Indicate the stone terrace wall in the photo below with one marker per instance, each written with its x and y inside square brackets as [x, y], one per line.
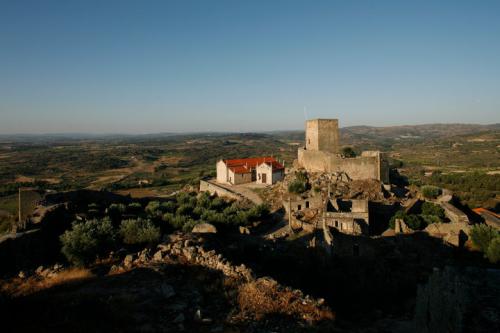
[212, 188]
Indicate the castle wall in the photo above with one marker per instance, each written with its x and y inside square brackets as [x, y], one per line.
[358, 167]
[362, 167]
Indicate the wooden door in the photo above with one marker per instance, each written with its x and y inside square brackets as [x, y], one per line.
[264, 178]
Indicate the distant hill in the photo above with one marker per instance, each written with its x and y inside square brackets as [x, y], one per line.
[416, 131]
[348, 134]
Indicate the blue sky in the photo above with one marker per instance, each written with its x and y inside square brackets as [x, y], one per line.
[162, 66]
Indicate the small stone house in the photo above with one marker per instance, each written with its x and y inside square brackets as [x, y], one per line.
[349, 217]
[300, 204]
[263, 170]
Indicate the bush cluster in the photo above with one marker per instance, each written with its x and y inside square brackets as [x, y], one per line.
[137, 223]
[139, 231]
[187, 211]
[88, 239]
[430, 192]
[300, 184]
[475, 188]
[487, 240]
[430, 213]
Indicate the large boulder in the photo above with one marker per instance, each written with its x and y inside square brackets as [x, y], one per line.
[204, 228]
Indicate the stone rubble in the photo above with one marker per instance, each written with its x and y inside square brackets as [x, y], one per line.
[189, 249]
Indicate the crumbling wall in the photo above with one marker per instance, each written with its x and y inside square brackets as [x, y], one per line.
[301, 204]
[453, 213]
[361, 167]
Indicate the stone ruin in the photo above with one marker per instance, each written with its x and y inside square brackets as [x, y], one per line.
[322, 154]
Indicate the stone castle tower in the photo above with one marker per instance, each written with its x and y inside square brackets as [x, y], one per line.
[322, 154]
[322, 135]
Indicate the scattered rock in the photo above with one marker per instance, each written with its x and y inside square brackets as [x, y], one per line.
[204, 228]
[144, 255]
[158, 256]
[127, 262]
[244, 230]
[21, 275]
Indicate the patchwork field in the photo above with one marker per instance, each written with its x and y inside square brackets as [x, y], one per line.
[464, 158]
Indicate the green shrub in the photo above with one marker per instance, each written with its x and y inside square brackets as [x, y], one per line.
[88, 239]
[204, 200]
[198, 211]
[258, 212]
[115, 212]
[429, 208]
[430, 191]
[189, 224]
[493, 252]
[217, 203]
[116, 208]
[178, 221]
[139, 232]
[400, 214]
[430, 219]
[183, 198]
[153, 208]
[184, 209]
[241, 218]
[415, 222]
[134, 208]
[481, 236]
[168, 206]
[297, 187]
[302, 176]
[168, 218]
[348, 152]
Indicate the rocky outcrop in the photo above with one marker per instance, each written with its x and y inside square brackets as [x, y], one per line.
[188, 249]
[204, 228]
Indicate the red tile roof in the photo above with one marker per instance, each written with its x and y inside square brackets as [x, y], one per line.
[484, 210]
[245, 165]
[275, 165]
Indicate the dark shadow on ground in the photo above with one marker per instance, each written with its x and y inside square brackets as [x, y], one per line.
[138, 300]
[359, 289]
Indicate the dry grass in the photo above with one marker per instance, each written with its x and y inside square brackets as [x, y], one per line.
[21, 287]
[264, 297]
[24, 179]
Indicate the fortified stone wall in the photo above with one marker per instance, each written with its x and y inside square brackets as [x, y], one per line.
[367, 166]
